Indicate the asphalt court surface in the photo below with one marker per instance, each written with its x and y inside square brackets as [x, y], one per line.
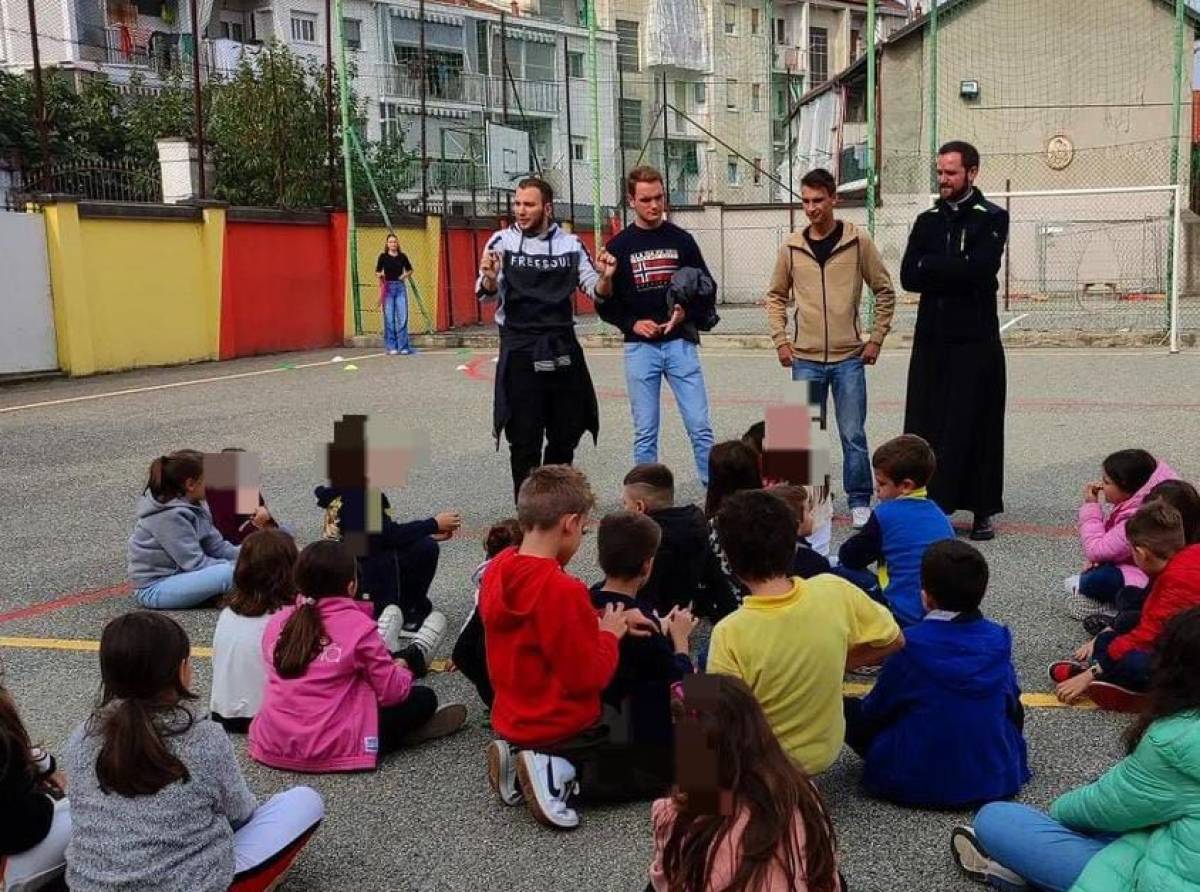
[75, 457]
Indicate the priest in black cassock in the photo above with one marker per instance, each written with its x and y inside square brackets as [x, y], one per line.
[957, 377]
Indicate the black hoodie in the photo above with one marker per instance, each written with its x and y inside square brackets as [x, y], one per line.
[686, 571]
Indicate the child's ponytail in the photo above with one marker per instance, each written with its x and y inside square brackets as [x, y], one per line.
[325, 569]
[169, 474]
[141, 660]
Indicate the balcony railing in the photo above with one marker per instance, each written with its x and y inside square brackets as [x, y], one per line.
[791, 58]
[400, 82]
[452, 176]
[130, 46]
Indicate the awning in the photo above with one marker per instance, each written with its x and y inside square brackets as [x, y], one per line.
[526, 34]
[437, 18]
[431, 111]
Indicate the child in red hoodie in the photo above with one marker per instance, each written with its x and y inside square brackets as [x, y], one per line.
[550, 657]
[1112, 669]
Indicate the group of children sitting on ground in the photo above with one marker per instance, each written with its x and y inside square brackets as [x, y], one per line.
[596, 695]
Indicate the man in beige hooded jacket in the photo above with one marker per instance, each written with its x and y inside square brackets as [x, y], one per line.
[813, 312]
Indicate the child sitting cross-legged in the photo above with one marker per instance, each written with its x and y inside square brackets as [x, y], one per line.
[158, 802]
[1137, 826]
[792, 640]
[904, 523]
[550, 658]
[1112, 669]
[942, 727]
[335, 699]
[648, 666]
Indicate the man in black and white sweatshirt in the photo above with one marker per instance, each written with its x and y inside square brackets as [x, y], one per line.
[543, 389]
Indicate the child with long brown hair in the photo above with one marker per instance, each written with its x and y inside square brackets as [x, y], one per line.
[743, 817]
[157, 799]
[262, 584]
[335, 698]
[35, 822]
[176, 556]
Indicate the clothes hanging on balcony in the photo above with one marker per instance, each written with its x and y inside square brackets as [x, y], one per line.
[676, 35]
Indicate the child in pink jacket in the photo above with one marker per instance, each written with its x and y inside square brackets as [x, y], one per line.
[1128, 475]
[335, 699]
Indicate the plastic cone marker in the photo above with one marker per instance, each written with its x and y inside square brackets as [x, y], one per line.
[338, 359]
[351, 368]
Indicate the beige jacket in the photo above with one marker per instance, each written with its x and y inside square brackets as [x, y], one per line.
[824, 303]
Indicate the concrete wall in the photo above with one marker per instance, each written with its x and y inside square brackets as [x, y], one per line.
[423, 244]
[27, 336]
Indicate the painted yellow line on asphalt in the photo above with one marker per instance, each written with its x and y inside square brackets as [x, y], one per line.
[853, 689]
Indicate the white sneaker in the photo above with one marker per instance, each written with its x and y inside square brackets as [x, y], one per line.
[502, 772]
[972, 860]
[548, 782]
[393, 353]
[429, 636]
[859, 517]
[1071, 584]
[389, 627]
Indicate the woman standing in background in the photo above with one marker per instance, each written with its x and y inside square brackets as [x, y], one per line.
[394, 270]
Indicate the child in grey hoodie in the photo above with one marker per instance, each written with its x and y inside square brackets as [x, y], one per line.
[176, 556]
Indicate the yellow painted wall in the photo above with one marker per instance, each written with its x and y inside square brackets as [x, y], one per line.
[134, 292]
[423, 247]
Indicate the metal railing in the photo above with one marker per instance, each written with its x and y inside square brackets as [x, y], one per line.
[401, 82]
[94, 180]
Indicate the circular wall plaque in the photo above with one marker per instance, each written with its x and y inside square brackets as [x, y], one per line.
[1059, 152]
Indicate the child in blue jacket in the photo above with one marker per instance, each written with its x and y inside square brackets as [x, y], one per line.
[902, 526]
[942, 728]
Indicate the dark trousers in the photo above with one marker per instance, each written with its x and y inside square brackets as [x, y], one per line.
[397, 722]
[470, 658]
[542, 406]
[1101, 583]
[1129, 607]
[402, 577]
[864, 579]
[610, 771]
[1132, 671]
[859, 732]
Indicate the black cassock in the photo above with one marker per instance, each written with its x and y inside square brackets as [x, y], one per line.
[957, 379]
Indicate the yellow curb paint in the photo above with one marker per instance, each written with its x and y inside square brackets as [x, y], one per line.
[851, 689]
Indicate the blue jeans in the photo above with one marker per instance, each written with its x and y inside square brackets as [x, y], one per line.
[1034, 846]
[395, 317]
[849, 383]
[646, 364]
[1132, 671]
[187, 589]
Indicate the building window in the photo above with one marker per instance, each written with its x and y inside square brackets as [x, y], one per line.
[781, 31]
[818, 54]
[578, 150]
[731, 94]
[681, 104]
[575, 65]
[233, 31]
[756, 97]
[730, 20]
[781, 103]
[352, 31]
[700, 92]
[856, 49]
[757, 171]
[755, 21]
[628, 51]
[304, 27]
[733, 173]
[631, 123]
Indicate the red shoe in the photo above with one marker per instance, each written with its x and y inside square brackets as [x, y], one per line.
[1061, 670]
[1112, 698]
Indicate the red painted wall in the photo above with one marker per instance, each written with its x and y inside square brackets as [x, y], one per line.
[281, 288]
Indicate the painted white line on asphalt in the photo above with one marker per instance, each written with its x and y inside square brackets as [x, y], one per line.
[215, 379]
[1011, 322]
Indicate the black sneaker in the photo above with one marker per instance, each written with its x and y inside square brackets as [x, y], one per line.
[982, 530]
[1097, 623]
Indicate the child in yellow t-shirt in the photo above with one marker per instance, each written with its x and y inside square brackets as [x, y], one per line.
[792, 640]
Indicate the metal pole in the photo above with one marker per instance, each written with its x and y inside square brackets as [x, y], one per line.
[666, 141]
[424, 90]
[1176, 255]
[933, 95]
[1176, 124]
[791, 149]
[38, 94]
[621, 143]
[593, 65]
[504, 65]
[570, 147]
[197, 96]
[871, 114]
[347, 164]
[329, 100]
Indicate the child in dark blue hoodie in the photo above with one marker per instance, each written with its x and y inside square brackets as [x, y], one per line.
[639, 695]
[942, 728]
